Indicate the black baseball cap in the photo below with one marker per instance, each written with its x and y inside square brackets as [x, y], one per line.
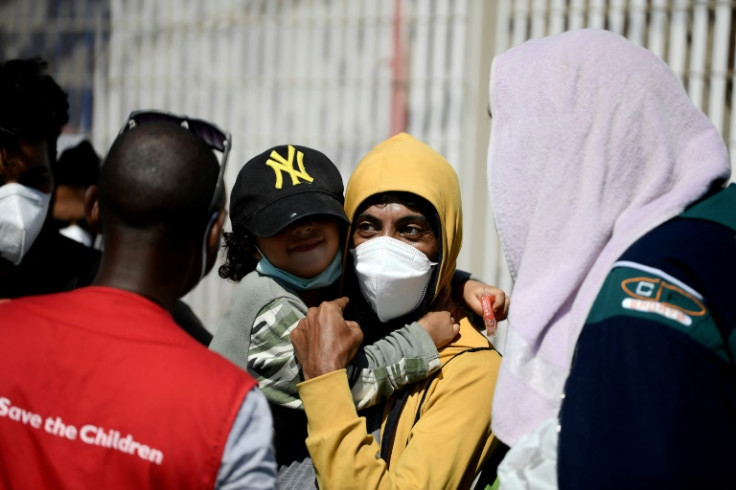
[283, 184]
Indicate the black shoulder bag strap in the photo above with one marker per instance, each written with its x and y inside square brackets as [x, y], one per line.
[392, 420]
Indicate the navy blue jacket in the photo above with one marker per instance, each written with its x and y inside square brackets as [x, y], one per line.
[651, 397]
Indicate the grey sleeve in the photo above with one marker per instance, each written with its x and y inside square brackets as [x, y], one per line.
[405, 356]
[248, 460]
[232, 337]
[409, 341]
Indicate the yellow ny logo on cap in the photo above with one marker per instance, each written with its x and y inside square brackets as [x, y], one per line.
[280, 164]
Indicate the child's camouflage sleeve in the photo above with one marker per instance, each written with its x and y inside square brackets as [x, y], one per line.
[271, 358]
[405, 356]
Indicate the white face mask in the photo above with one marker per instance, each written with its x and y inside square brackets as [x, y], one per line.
[22, 213]
[78, 234]
[393, 276]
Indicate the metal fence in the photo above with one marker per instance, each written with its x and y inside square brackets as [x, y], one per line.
[337, 76]
[342, 75]
[697, 38]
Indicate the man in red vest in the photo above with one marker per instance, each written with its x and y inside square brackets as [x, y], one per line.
[99, 388]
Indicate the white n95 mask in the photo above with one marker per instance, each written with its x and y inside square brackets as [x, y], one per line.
[78, 234]
[393, 276]
[22, 213]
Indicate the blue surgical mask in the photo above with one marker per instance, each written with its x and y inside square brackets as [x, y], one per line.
[324, 278]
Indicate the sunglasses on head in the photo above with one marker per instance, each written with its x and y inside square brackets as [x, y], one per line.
[214, 137]
[8, 137]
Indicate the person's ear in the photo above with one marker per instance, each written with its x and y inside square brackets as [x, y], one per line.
[215, 232]
[92, 209]
[253, 248]
[211, 245]
[8, 165]
[3, 164]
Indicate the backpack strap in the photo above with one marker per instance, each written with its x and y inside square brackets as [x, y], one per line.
[399, 401]
[391, 421]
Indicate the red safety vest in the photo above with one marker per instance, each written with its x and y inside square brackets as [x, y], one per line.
[99, 388]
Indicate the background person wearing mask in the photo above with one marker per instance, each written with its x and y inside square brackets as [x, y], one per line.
[403, 201]
[100, 387]
[34, 258]
[77, 168]
[606, 183]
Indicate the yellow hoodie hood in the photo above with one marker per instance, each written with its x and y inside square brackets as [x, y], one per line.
[404, 164]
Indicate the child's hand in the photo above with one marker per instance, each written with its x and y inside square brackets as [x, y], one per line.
[441, 323]
[472, 291]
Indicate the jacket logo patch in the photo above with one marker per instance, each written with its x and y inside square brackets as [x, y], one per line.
[658, 308]
[654, 295]
[280, 164]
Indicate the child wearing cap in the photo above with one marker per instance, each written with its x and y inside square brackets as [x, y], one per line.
[285, 249]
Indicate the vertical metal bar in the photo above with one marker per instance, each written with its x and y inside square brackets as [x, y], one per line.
[657, 29]
[730, 126]
[719, 47]
[576, 14]
[383, 27]
[520, 30]
[458, 65]
[420, 48]
[558, 13]
[437, 77]
[368, 109]
[538, 18]
[617, 16]
[351, 62]
[481, 253]
[398, 72]
[678, 34]
[596, 14]
[698, 54]
[637, 26]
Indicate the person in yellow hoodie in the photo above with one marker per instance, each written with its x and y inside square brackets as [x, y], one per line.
[403, 201]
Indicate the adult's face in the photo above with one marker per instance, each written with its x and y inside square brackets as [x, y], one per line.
[27, 164]
[399, 221]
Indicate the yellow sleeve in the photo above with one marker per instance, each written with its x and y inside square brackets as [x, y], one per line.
[445, 447]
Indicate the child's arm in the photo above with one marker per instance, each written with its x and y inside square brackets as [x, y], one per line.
[407, 355]
[467, 291]
[472, 291]
[271, 357]
[471, 294]
[442, 322]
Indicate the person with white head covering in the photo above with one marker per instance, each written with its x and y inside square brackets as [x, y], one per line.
[607, 185]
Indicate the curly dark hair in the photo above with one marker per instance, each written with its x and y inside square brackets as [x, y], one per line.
[34, 106]
[239, 261]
